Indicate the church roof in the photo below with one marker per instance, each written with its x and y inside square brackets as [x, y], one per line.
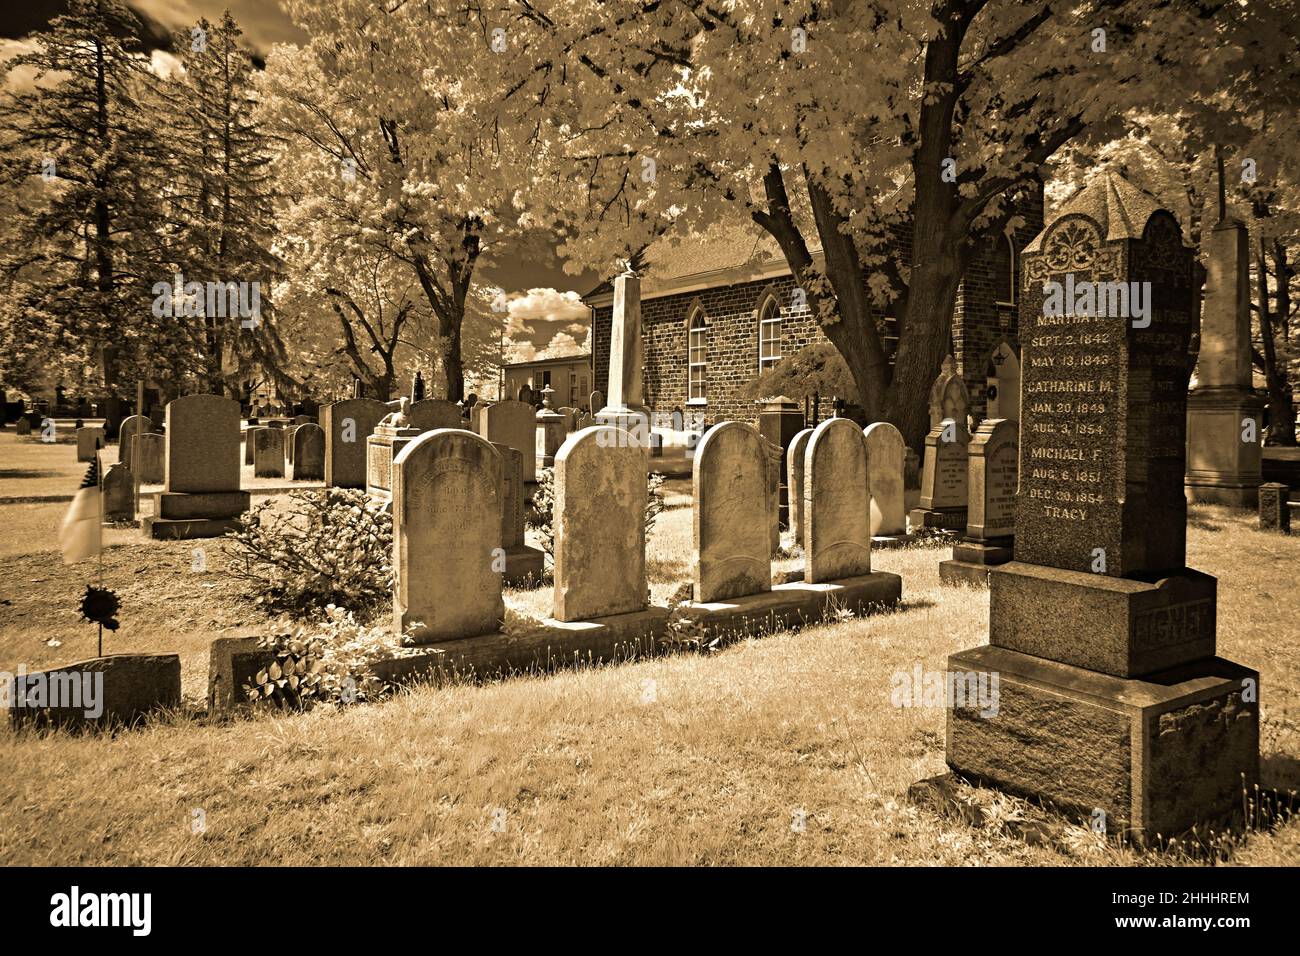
[1121, 208]
[722, 254]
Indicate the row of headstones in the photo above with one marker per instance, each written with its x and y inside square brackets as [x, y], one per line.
[296, 451]
[450, 538]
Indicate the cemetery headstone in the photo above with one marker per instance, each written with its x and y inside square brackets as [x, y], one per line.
[201, 496]
[89, 438]
[119, 493]
[131, 426]
[779, 420]
[732, 547]
[446, 537]
[308, 453]
[990, 522]
[837, 506]
[1112, 704]
[268, 453]
[391, 435]
[522, 564]
[147, 457]
[774, 458]
[431, 413]
[1274, 507]
[599, 525]
[795, 473]
[347, 425]
[886, 463]
[513, 424]
[943, 498]
[250, 442]
[23, 427]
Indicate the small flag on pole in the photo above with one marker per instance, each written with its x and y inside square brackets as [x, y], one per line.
[80, 537]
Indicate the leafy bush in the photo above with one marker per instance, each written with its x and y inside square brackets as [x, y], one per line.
[332, 662]
[541, 513]
[331, 547]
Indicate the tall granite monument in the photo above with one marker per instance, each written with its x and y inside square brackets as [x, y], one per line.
[625, 406]
[1112, 704]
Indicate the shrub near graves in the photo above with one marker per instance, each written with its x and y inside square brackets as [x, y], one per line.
[326, 547]
[542, 508]
[331, 662]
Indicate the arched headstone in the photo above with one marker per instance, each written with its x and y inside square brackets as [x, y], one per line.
[886, 463]
[837, 517]
[599, 524]
[730, 484]
[446, 487]
[308, 462]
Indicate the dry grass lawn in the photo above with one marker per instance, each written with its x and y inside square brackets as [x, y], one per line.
[686, 760]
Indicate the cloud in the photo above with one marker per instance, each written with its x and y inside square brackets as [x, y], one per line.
[262, 21]
[23, 78]
[545, 323]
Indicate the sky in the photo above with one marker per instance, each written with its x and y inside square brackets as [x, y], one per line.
[546, 318]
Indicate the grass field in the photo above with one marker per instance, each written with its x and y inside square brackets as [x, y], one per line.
[689, 759]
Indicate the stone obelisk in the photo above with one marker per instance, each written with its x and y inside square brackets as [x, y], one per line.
[624, 403]
[1224, 415]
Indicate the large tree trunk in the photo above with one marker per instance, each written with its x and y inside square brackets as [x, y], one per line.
[1281, 406]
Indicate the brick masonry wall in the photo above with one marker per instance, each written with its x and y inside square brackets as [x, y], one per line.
[979, 326]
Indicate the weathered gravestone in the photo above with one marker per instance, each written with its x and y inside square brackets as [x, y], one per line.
[599, 525]
[942, 502]
[268, 453]
[112, 691]
[288, 447]
[1274, 509]
[431, 413]
[390, 436]
[775, 456]
[304, 420]
[250, 442]
[837, 505]
[147, 457]
[89, 438]
[513, 424]
[308, 453]
[732, 549]
[1112, 703]
[523, 565]
[347, 425]
[131, 426]
[779, 420]
[886, 464]
[446, 537]
[943, 499]
[795, 472]
[990, 522]
[119, 493]
[24, 426]
[200, 496]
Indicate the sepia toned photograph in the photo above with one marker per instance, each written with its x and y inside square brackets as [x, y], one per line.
[631, 434]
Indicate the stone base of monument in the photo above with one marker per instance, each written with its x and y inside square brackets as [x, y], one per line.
[794, 604]
[547, 646]
[1115, 626]
[381, 448]
[524, 566]
[938, 519]
[887, 541]
[122, 688]
[1156, 755]
[194, 515]
[1222, 467]
[972, 560]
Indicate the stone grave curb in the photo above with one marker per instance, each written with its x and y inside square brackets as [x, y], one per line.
[793, 604]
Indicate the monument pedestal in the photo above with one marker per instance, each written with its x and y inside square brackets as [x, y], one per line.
[972, 560]
[794, 604]
[1157, 755]
[634, 419]
[1222, 468]
[194, 514]
[887, 541]
[381, 448]
[1117, 626]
